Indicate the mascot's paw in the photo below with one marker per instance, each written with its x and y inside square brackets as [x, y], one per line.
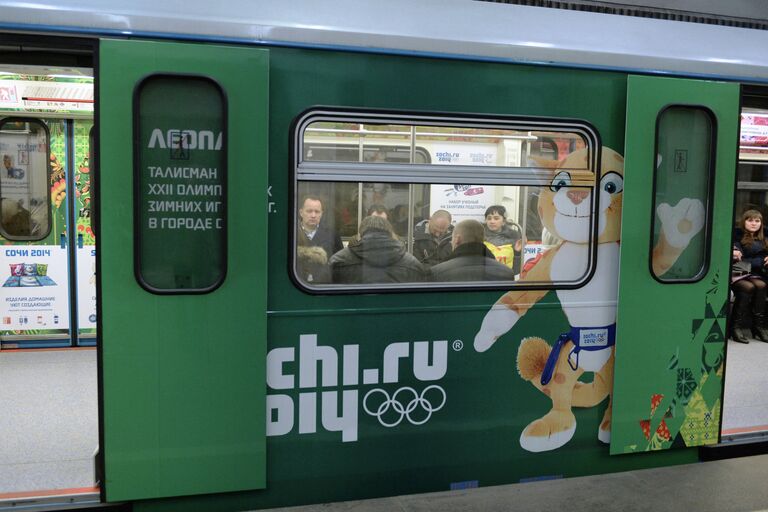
[497, 321]
[483, 341]
[682, 222]
[531, 357]
[604, 435]
[548, 433]
[604, 431]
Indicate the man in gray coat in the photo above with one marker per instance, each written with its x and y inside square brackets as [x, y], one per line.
[470, 260]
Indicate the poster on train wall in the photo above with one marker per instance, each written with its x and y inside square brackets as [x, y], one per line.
[86, 287]
[73, 95]
[462, 201]
[457, 153]
[753, 136]
[533, 249]
[34, 288]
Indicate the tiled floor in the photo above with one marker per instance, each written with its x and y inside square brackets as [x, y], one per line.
[746, 386]
[48, 419]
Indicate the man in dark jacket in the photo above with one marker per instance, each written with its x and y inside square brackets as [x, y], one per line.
[470, 260]
[311, 233]
[377, 257]
[432, 239]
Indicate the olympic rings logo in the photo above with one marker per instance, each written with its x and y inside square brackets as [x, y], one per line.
[405, 403]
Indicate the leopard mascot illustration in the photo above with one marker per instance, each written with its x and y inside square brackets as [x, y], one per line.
[591, 308]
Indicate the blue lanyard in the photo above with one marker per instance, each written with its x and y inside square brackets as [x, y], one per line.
[583, 338]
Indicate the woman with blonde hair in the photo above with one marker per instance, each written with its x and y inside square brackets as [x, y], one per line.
[750, 255]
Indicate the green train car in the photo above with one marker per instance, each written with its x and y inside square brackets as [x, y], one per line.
[263, 340]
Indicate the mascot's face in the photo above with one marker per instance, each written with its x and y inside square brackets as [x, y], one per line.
[564, 207]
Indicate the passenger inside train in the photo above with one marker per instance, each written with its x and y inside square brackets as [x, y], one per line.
[378, 256]
[470, 260]
[745, 416]
[748, 283]
[432, 238]
[435, 249]
[502, 237]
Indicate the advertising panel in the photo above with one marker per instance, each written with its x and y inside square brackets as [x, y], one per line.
[86, 287]
[753, 135]
[453, 153]
[462, 201]
[75, 97]
[34, 288]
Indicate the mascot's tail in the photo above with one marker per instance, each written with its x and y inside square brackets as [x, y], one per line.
[531, 358]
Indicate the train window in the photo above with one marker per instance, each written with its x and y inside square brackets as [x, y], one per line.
[24, 179]
[752, 174]
[683, 176]
[380, 201]
[180, 179]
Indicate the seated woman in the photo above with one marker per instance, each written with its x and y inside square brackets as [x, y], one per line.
[501, 239]
[750, 246]
[378, 256]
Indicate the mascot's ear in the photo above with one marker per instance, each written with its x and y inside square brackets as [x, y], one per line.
[545, 163]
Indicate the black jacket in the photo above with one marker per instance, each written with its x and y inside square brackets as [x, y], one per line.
[472, 262]
[753, 253]
[324, 237]
[428, 248]
[376, 258]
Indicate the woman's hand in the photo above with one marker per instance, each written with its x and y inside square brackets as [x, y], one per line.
[765, 261]
[737, 255]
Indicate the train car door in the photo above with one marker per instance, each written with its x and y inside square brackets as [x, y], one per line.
[182, 269]
[680, 153]
[49, 419]
[745, 407]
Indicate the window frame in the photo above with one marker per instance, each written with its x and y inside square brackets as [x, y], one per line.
[708, 205]
[46, 130]
[137, 152]
[432, 174]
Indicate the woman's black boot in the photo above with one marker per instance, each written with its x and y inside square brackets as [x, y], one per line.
[758, 326]
[741, 331]
[741, 334]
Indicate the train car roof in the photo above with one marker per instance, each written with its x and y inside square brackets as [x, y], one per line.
[445, 28]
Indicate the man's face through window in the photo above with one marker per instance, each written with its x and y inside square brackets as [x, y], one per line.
[311, 212]
[439, 226]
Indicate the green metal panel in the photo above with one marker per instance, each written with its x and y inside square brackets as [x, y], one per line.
[183, 375]
[670, 337]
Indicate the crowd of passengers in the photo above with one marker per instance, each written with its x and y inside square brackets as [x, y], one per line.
[441, 251]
